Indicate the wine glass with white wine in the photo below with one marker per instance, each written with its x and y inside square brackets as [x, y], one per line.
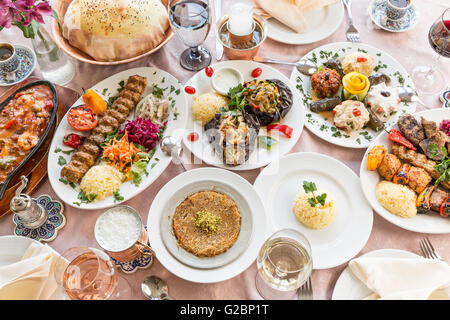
[284, 264]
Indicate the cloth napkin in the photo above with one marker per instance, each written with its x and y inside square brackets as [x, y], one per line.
[32, 277]
[291, 13]
[403, 279]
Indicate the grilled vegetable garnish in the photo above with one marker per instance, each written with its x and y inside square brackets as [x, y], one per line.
[401, 176]
[375, 157]
[423, 200]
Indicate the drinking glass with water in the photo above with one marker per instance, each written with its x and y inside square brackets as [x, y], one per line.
[191, 21]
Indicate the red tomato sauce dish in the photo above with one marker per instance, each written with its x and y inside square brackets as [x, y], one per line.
[25, 119]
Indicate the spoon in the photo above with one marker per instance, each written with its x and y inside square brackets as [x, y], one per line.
[304, 66]
[155, 288]
[172, 147]
[407, 94]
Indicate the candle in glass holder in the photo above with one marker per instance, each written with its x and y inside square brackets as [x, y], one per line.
[241, 23]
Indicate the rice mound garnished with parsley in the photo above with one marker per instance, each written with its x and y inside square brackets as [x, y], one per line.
[397, 199]
[317, 217]
[101, 180]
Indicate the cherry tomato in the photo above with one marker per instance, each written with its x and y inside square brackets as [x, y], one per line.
[209, 71]
[73, 140]
[361, 59]
[82, 118]
[189, 89]
[256, 72]
[334, 111]
[356, 112]
[192, 136]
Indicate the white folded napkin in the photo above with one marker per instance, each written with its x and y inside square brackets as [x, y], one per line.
[32, 277]
[403, 279]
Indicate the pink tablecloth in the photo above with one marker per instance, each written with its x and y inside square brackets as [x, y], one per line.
[410, 48]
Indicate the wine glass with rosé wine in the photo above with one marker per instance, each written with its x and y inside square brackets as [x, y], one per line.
[90, 274]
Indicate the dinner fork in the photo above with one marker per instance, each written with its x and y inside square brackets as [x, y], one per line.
[352, 34]
[305, 292]
[428, 250]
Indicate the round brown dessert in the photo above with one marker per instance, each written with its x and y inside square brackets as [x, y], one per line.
[207, 223]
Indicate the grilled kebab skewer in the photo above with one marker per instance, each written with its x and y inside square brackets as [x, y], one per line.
[90, 150]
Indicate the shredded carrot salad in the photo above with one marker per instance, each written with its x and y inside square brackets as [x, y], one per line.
[121, 153]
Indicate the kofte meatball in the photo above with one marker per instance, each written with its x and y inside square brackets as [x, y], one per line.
[325, 82]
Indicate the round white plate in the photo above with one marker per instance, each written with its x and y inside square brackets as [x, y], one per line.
[159, 161]
[168, 198]
[322, 23]
[425, 223]
[207, 262]
[260, 157]
[349, 287]
[324, 129]
[12, 248]
[278, 184]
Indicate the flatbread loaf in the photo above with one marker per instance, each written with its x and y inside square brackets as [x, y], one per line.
[115, 30]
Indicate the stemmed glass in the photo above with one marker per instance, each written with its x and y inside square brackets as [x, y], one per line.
[284, 264]
[89, 274]
[429, 79]
[191, 21]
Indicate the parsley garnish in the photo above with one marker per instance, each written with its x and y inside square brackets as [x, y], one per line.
[61, 160]
[310, 187]
[117, 196]
[443, 166]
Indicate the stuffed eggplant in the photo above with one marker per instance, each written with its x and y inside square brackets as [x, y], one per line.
[233, 136]
[269, 100]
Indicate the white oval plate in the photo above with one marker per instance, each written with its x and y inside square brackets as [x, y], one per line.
[278, 184]
[322, 23]
[325, 129]
[349, 287]
[159, 161]
[260, 157]
[167, 198]
[425, 223]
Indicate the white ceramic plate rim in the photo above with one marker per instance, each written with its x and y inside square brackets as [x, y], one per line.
[333, 21]
[172, 129]
[229, 270]
[364, 227]
[373, 51]
[295, 118]
[416, 223]
[347, 280]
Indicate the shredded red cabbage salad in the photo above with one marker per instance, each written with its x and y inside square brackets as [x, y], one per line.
[143, 132]
[445, 126]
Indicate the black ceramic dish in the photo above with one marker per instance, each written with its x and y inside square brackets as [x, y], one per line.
[4, 185]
